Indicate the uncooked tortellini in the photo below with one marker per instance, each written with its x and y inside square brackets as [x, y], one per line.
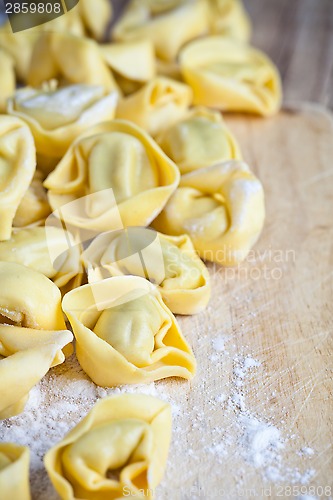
[115, 176]
[7, 80]
[199, 140]
[229, 18]
[157, 105]
[34, 206]
[69, 59]
[32, 333]
[222, 209]
[17, 167]
[168, 24]
[168, 261]
[57, 117]
[50, 251]
[125, 334]
[231, 76]
[118, 450]
[14, 472]
[132, 63]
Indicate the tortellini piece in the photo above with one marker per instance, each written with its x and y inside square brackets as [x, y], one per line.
[229, 18]
[20, 45]
[14, 472]
[7, 80]
[169, 24]
[167, 261]
[116, 176]
[125, 334]
[199, 140]
[34, 207]
[57, 117]
[96, 16]
[32, 333]
[17, 167]
[50, 251]
[231, 76]
[119, 450]
[157, 105]
[132, 63]
[69, 59]
[222, 209]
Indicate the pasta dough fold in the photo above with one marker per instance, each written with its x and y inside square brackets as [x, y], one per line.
[57, 117]
[167, 24]
[34, 206]
[118, 450]
[221, 208]
[132, 63]
[199, 140]
[115, 176]
[231, 76]
[32, 333]
[17, 167]
[69, 59]
[33, 248]
[167, 261]
[14, 472]
[157, 105]
[125, 333]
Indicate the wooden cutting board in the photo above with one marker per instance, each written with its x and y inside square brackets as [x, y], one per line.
[256, 420]
[275, 309]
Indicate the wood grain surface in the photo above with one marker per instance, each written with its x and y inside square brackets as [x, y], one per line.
[277, 309]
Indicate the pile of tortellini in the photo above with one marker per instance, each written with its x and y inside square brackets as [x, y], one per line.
[118, 179]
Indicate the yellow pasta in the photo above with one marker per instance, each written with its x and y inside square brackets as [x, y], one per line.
[125, 334]
[95, 16]
[68, 59]
[7, 80]
[157, 105]
[17, 167]
[57, 117]
[167, 261]
[199, 140]
[168, 24]
[229, 18]
[33, 247]
[32, 333]
[116, 176]
[20, 45]
[118, 450]
[34, 206]
[231, 76]
[221, 208]
[132, 63]
[14, 472]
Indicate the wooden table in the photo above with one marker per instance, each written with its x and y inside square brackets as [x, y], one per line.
[298, 36]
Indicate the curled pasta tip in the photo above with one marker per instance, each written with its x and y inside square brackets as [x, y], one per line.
[221, 207]
[125, 333]
[7, 80]
[14, 472]
[118, 450]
